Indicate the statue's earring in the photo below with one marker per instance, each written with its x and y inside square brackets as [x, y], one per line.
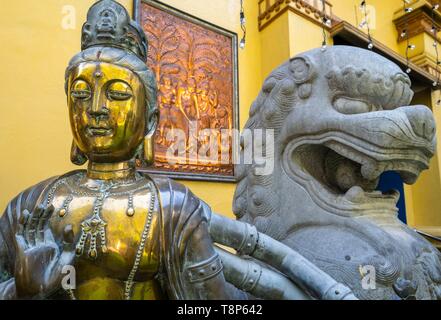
[76, 155]
[149, 148]
[149, 141]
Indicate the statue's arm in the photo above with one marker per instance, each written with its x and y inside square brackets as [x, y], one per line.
[206, 275]
[192, 267]
[7, 280]
[247, 241]
[30, 267]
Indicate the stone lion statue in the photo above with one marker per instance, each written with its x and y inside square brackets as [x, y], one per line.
[341, 117]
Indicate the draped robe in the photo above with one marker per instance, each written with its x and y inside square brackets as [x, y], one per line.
[189, 266]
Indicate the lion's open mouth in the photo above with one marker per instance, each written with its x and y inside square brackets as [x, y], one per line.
[353, 175]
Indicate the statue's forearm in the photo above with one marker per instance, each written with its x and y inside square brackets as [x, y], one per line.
[248, 241]
[260, 281]
[7, 281]
[206, 273]
[8, 290]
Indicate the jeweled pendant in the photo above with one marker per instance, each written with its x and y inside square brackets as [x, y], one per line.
[91, 229]
[62, 213]
[130, 211]
[78, 250]
[65, 208]
[92, 253]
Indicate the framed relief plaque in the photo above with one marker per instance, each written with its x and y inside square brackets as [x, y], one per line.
[195, 64]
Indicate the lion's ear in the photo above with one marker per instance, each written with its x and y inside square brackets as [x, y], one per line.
[302, 70]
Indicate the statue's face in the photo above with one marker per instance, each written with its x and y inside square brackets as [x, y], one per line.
[107, 111]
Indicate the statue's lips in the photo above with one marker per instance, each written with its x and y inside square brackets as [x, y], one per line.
[98, 131]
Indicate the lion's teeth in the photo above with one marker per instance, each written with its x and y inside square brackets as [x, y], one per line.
[370, 171]
[355, 194]
[396, 195]
[408, 178]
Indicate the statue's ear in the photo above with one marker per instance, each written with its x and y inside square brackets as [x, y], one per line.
[302, 70]
[152, 122]
[146, 154]
[76, 155]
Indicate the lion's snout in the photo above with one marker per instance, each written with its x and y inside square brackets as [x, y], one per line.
[422, 121]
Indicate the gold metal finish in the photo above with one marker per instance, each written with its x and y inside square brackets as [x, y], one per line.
[123, 238]
[111, 171]
[107, 112]
[127, 235]
[149, 149]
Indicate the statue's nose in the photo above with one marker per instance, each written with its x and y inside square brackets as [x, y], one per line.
[422, 121]
[95, 112]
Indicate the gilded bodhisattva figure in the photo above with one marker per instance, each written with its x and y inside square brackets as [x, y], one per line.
[128, 235]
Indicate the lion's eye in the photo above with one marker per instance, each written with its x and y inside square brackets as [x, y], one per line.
[119, 91]
[80, 90]
[353, 106]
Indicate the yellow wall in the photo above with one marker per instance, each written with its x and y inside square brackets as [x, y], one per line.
[305, 35]
[423, 199]
[287, 36]
[274, 40]
[384, 29]
[35, 136]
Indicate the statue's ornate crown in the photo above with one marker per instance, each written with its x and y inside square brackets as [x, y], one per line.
[109, 24]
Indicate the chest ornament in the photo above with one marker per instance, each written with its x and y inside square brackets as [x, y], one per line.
[93, 229]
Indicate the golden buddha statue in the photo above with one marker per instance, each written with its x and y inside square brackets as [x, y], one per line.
[127, 235]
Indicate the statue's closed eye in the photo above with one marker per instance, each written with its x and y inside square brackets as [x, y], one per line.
[81, 94]
[80, 90]
[119, 91]
[117, 95]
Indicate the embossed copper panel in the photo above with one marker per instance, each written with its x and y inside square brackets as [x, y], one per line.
[195, 67]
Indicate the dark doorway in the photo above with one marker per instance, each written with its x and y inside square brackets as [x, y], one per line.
[392, 180]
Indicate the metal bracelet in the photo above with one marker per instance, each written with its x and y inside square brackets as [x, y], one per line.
[205, 270]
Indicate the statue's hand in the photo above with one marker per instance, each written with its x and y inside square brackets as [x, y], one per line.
[39, 261]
